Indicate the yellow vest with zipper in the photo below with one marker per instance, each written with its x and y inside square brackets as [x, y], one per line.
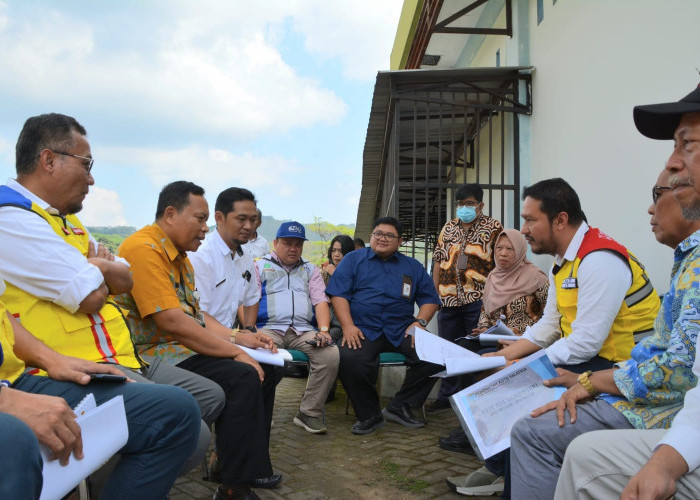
[636, 316]
[102, 337]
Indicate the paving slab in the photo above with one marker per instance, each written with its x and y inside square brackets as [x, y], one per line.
[394, 462]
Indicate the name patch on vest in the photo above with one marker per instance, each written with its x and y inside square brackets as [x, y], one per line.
[569, 283]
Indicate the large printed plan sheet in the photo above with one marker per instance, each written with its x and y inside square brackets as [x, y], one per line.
[456, 359]
[488, 409]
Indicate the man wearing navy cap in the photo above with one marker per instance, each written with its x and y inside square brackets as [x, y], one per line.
[293, 310]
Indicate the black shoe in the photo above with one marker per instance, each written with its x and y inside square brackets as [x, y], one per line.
[457, 432]
[402, 416]
[238, 492]
[439, 404]
[368, 425]
[266, 482]
[457, 443]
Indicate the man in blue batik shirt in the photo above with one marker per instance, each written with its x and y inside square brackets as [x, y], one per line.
[373, 292]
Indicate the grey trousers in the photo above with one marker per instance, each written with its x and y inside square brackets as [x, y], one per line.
[208, 394]
[599, 464]
[323, 369]
[537, 446]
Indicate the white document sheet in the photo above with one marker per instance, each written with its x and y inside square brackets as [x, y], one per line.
[433, 349]
[498, 329]
[264, 356]
[490, 339]
[488, 409]
[104, 433]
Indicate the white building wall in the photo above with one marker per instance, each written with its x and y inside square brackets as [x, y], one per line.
[594, 61]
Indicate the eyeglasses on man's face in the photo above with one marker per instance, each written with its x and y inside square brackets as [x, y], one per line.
[656, 191]
[88, 165]
[467, 203]
[384, 236]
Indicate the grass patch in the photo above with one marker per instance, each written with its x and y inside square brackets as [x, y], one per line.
[391, 471]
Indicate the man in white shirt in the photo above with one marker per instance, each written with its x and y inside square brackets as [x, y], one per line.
[666, 460]
[600, 302]
[225, 275]
[257, 245]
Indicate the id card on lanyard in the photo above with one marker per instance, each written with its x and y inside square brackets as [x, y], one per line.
[407, 287]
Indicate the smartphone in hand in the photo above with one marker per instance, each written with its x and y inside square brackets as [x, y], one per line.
[107, 378]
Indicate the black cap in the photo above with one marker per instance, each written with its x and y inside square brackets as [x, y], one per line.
[660, 121]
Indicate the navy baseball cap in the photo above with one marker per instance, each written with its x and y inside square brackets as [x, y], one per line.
[660, 121]
[291, 230]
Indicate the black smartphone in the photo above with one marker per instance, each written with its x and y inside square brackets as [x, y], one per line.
[107, 377]
[315, 343]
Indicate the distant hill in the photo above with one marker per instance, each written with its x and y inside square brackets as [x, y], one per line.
[270, 225]
[315, 250]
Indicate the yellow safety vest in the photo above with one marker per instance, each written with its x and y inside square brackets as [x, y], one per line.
[103, 337]
[11, 367]
[634, 320]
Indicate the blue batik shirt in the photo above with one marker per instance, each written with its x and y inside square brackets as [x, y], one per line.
[654, 381]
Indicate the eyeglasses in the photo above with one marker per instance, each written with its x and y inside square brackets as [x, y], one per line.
[657, 190]
[464, 203]
[89, 160]
[384, 236]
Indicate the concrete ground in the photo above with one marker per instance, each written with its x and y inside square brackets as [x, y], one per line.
[393, 462]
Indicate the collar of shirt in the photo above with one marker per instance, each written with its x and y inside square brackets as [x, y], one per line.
[574, 245]
[28, 194]
[373, 255]
[168, 245]
[686, 245]
[273, 254]
[218, 242]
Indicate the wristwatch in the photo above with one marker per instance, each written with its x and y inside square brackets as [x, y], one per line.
[251, 329]
[422, 322]
[323, 329]
[586, 383]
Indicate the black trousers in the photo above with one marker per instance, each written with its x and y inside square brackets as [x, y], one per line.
[273, 376]
[359, 369]
[242, 438]
[453, 323]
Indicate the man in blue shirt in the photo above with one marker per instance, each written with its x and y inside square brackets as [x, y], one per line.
[373, 292]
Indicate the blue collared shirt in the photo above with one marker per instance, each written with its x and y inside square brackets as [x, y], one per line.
[380, 303]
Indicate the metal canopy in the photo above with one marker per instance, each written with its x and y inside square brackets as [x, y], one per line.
[439, 18]
[426, 129]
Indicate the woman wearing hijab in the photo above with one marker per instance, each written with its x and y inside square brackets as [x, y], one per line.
[516, 289]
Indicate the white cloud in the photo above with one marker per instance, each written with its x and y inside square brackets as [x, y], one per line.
[102, 207]
[220, 72]
[213, 169]
[355, 31]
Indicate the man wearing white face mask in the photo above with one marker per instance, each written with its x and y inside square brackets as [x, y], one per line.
[462, 260]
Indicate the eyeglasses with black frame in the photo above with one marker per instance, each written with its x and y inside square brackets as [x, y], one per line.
[465, 203]
[384, 236]
[90, 161]
[656, 191]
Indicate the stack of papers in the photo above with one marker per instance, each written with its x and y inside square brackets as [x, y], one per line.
[104, 431]
[456, 359]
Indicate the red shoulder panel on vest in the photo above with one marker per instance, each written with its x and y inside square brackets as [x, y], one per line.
[595, 239]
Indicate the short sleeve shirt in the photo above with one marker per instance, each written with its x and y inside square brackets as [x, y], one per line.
[382, 293]
[163, 279]
[459, 284]
[225, 279]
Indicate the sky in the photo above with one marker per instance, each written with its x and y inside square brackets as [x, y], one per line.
[273, 96]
